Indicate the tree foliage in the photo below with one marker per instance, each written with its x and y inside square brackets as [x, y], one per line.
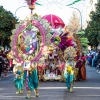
[74, 27]
[92, 30]
[7, 23]
[74, 23]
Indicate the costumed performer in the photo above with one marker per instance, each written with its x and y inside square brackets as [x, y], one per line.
[19, 79]
[80, 64]
[69, 72]
[31, 78]
[69, 75]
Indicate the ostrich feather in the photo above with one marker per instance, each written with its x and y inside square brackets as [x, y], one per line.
[65, 42]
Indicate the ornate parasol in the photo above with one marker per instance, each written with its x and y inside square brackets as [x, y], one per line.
[54, 20]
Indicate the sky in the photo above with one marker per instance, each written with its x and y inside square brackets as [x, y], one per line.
[63, 12]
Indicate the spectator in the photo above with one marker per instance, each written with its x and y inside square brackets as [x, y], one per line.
[5, 66]
[89, 58]
[11, 65]
[1, 64]
[98, 63]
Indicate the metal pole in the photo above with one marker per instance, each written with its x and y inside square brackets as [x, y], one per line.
[18, 9]
[80, 15]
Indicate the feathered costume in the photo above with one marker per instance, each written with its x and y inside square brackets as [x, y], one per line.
[31, 79]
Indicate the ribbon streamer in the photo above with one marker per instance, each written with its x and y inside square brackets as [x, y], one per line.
[73, 2]
[27, 75]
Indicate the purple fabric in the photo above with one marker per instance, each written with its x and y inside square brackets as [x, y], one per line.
[78, 64]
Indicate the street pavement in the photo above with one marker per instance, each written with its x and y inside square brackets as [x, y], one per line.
[83, 90]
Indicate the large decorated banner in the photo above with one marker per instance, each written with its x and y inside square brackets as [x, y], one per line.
[28, 39]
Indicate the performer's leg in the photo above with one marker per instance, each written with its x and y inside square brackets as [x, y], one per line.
[71, 87]
[28, 94]
[35, 82]
[36, 92]
[19, 87]
[68, 83]
[21, 91]
[17, 91]
[71, 82]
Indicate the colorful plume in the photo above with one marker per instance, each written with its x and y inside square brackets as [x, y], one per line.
[30, 2]
[65, 41]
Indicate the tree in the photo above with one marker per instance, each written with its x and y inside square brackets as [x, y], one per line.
[74, 23]
[92, 30]
[80, 39]
[7, 23]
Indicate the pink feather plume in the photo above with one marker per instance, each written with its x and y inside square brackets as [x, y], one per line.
[30, 2]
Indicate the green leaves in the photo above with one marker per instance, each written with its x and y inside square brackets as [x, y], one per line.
[93, 28]
[80, 33]
[7, 23]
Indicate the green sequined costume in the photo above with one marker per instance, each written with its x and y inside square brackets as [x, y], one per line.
[19, 81]
[31, 80]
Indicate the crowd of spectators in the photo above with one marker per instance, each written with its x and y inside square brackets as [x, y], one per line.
[4, 63]
[93, 58]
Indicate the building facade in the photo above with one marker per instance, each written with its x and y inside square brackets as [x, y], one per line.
[90, 7]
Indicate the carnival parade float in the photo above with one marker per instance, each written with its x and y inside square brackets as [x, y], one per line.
[42, 43]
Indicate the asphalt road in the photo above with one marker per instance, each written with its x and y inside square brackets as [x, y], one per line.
[83, 90]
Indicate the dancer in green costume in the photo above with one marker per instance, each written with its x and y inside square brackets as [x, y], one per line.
[69, 76]
[19, 79]
[69, 71]
[31, 80]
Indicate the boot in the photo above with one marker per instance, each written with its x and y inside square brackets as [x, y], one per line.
[71, 90]
[28, 95]
[18, 92]
[36, 92]
[21, 91]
